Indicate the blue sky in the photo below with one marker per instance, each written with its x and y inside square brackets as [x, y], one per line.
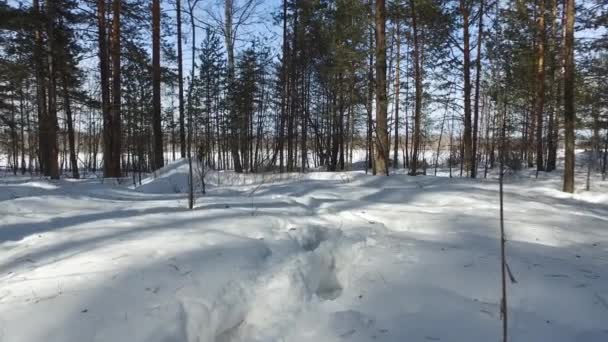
[263, 24]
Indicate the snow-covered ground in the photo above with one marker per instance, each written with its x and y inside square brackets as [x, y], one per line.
[313, 257]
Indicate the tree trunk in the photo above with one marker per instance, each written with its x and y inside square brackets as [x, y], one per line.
[22, 114]
[14, 140]
[418, 96]
[441, 131]
[53, 164]
[530, 146]
[540, 85]
[189, 139]
[180, 81]
[553, 127]
[477, 91]
[370, 98]
[605, 159]
[304, 123]
[234, 124]
[451, 157]
[397, 90]
[156, 110]
[105, 86]
[406, 147]
[381, 142]
[115, 121]
[569, 115]
[41, 106]
[71, 139]
[594, 144]
[489, 149]
[284, 93]
[466, 57]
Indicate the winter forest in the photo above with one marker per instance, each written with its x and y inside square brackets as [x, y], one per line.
[303, 170]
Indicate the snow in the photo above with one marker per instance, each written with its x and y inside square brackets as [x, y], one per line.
[301, 257]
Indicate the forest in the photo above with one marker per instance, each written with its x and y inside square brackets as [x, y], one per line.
[303, 170]
[123, 87]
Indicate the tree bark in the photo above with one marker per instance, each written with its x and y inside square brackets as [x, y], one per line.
[304, 124]
[115, 122]
[234, 124]
[284, 92]
[477, 91]
[553, 125]
[156, 110]
[70, 122]
[397, 90]
[180, 81]
[418, 95]
[22, 114]
[370, 98]
[41, 107]
[105, 86]
[540, 85]
[381, 142]
[569, 114]
[605, 158]
[53, 163]
[192, 74]
[466, 58]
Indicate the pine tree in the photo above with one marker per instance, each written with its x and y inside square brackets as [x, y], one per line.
[159, 159]
[540, 84]
[381, 142]
[180, 77]
[569, 114]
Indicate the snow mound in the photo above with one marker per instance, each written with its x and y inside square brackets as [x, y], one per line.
[25, 187]
[172, 178]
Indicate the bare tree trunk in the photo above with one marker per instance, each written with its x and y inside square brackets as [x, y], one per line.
[180, 81]
[418, 96]
[530, 146]
[156, 110]
[351, 130]
[503, 261]
[381, 142]
[115, 122]
[477, 91]
[105, 86]
[191, 6]
[370, 96]
[304, 124]
[406, 148]
[43, 152]
[594, 145]
[229, 39]
[605, 159]
[52, 113]
[553, 127]
[441, 135]
[462, 156]
[71, 139]
[14, 148]
[451, 157]
[466, 57]
[22, 114]
[284, 92]
[569, 114]
[556, 125]
[487, 148]
[397, 90]
[540, 85]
